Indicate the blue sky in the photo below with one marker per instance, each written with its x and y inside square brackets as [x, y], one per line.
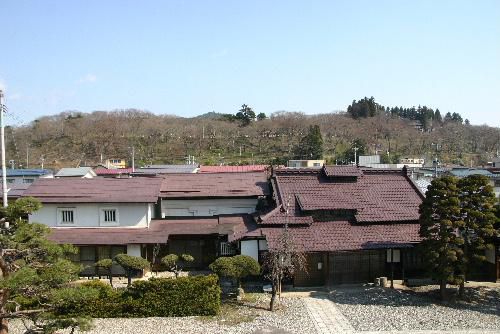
[191, 57]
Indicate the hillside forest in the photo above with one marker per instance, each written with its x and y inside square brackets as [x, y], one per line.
[73, 138]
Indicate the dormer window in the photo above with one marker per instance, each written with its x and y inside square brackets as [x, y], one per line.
[109, 216]
[66, 216]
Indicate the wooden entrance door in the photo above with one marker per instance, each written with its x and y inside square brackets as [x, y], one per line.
[315, 275]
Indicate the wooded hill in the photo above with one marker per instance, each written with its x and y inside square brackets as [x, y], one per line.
[75, 138]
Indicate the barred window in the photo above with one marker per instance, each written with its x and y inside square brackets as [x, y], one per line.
[66, 216]
[109, 215]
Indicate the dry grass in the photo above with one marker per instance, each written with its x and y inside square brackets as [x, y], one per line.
[234, 312]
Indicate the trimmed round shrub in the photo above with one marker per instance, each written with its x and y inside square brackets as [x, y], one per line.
[238, 267]
[223, 267]
[129, 262]
[245, 266]
[170, 260]
[104, 263]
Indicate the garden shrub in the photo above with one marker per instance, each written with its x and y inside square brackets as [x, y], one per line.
[93, 298]
[157, 297]
[238, 267]
[198, 295]
[131, 264]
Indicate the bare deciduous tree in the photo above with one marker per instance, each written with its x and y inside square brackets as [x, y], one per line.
[282, 261]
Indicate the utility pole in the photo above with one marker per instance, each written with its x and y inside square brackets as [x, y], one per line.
[42, 159]
[355, 155]
[4, 169]
[133, 159]
[27, 156]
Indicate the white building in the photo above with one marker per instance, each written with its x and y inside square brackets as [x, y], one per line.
[78, 172]
[26, 176]
[198, 214]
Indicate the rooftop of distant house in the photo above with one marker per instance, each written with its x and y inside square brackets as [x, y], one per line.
[233, 169]
[75, 172]
[216, 185]
[26, 172]
[101, 171]
[464, 172]
[167, 169]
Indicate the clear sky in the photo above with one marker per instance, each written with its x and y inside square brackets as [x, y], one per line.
[191, 57]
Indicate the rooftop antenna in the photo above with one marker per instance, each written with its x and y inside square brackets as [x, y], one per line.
[355, 155]
[2, 138]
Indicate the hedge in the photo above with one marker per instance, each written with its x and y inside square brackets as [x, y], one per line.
[156, 297]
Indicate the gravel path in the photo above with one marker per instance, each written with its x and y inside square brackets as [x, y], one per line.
[291, 318]
[377, 309]
[366, 310]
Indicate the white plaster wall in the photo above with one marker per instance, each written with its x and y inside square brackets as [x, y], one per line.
[88, 215]
[250, 248]
[134, 250]
[207, 207]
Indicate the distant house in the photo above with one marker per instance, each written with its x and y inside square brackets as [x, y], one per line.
[26, 176]
[305, 163]
[79, 172]
[166, 169]
[412, 162]
[115, 163]
[491, 174]
[233, 169]
[366, 160]
[374, 161]
[113, 172]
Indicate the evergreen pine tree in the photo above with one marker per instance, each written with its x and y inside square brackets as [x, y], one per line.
[439, 219]
[477, 201]
[311, 145]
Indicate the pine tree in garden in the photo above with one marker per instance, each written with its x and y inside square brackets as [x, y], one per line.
[32, 269]
[439, 219]
[477, 202]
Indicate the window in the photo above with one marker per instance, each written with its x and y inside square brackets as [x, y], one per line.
[11, 180]
[393, 255]
[109, 216]
[28, 180]
[66, 216]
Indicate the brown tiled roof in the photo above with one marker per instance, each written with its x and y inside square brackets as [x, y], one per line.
[233, 169]
[158, 232]
[340, 171]
[376, 196]
[343, 236]
[95, 190]
[279, 217]
[383, 203]
[17, 190]
[215, 185]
